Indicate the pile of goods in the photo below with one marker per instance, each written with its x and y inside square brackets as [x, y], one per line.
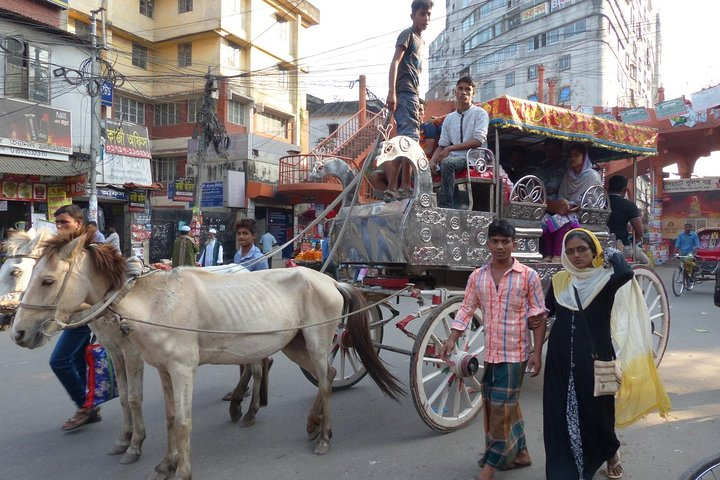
[310, 256]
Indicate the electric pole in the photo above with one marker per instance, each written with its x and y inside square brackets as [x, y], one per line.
[206, 116]
[95, 119]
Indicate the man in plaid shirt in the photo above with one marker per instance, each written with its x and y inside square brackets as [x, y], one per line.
[511, 299]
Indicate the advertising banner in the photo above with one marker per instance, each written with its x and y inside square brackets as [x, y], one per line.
[56, 198]
[534, 13]
[691, 184]
[121, 169]
[212, 195]
[35, 127]
[670, 108]
[701, 207]
[635, 115]
[138, 198]
[76, 186]
[704, 99]
[127, 139]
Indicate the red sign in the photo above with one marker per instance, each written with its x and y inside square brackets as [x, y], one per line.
[75, 186]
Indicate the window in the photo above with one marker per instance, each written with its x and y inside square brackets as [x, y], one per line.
[468, 22]
[574, 28]
[146, 7]
[487, 90]
[513, 21]
[185, 6]
[27, 72]
[536, 42]
[283, 77]
[236, 112]
[565, 62]
[167, 169]
[332, 127]
[194, 109]
[633, 72]
[271, 124]
[553, 37]
[233, 55]
[128, 110]
[184, 53]
[82, 29]
[532, 72]
[139, 55]
[166, 114]
[510, 79]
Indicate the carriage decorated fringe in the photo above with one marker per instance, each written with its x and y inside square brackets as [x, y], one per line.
[565, 124]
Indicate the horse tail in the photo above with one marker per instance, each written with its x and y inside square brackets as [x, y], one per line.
[359, 329]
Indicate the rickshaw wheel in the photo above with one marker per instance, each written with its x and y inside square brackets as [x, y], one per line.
[678, 281]
[656, 299]
[445, 401]
[350, 369]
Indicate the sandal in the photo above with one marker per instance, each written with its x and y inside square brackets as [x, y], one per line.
[82, 416]
[390, 195]
[614, 470]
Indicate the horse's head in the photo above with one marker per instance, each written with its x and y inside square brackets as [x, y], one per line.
[22, 251]
[400, 147]
[317, 174]
[70, 274]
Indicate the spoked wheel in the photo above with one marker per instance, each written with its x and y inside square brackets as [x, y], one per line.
[447, 397]
[350, 370]
[656, 300]
[678, 281]
[708, 469]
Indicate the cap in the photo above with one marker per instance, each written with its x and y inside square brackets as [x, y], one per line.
[213, 231]
[185, 228]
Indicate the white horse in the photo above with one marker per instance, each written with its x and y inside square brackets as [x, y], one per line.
[206, 319]
[23, 250]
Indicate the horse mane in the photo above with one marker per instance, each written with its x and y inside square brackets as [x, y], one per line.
[17, 243]
[104, 258]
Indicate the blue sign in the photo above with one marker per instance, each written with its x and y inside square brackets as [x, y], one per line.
[212, 194]
[171, 190]
[564, 94]
[111, 193]
[106, 93]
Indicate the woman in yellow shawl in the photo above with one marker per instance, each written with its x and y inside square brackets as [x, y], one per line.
[579, 428]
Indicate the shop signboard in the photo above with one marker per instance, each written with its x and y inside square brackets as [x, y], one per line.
[56, 197]
[127, 139]
[184, 190]
[556, 5]
[35, 127]
[138, 200]
[111, 194]
[121, 169]
[212, 195]
[106, 93]
[76, 186]
[534, 13]
[700, 184]
[670, 108]
[704, 99]
[234, 189]
[635, 115]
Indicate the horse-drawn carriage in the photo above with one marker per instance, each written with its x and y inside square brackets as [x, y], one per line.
[412, 241]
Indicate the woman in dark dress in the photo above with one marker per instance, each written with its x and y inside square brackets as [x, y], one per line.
[579, 428]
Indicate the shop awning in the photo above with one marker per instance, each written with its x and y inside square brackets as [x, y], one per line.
[43, 168]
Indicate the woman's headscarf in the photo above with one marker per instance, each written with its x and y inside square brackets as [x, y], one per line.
[641, 390]
[574, 185]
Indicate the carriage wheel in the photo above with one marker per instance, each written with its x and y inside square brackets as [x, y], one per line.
[350, 370]
[656, 300]
[678, 281]
[447, 398]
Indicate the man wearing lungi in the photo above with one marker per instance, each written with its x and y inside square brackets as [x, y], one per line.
[511, 299]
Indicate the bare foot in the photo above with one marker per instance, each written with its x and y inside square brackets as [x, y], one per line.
[487, 473]
[523, 458]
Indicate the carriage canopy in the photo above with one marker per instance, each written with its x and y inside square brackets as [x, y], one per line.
[608, 139]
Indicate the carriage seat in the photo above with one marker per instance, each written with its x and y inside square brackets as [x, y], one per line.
[476, 177]
[707, 255]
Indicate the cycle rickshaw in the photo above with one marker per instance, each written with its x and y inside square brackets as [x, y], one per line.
[701, 266]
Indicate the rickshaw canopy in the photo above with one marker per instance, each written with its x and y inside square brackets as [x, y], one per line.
[524, 121]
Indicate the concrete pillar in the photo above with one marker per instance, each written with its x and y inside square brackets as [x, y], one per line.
[541, 83]
[362, 100]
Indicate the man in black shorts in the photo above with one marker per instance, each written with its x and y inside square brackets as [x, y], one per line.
[623, 211]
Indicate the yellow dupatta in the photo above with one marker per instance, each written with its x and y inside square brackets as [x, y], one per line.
[641, 389]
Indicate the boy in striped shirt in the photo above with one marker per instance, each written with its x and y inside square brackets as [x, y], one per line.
[511, 299]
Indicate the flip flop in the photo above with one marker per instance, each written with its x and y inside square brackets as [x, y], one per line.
[614, 471]
[82, 417]
[390, 195]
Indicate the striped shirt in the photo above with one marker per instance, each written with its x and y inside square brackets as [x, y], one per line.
[505, 310]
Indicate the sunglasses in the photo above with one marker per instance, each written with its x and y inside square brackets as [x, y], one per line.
[579, 250]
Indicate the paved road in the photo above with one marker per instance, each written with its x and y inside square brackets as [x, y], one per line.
[373, 436]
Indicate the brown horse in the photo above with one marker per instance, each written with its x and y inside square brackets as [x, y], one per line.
[206, 318]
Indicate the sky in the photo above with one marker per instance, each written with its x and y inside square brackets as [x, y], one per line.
[356, 38]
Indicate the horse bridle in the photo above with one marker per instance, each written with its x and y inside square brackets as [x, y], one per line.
[52, 306]
[11, 310]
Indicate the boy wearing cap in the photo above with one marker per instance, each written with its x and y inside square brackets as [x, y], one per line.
[212, 252]
[184, 249]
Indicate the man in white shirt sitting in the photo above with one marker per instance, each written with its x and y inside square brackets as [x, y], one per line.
[212, 252]
[464, 129]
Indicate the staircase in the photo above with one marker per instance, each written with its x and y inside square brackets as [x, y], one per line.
[352, 139]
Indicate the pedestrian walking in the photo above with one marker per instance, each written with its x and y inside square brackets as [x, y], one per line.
[245, 235]
[184, 249]
[510, 297]
[211, 252]
[579, 420]
[67, 360]
[267, 242]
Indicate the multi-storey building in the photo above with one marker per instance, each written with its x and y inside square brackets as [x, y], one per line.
[164, 48]
[592, 52]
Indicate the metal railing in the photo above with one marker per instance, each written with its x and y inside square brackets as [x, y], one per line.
[352, 139]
